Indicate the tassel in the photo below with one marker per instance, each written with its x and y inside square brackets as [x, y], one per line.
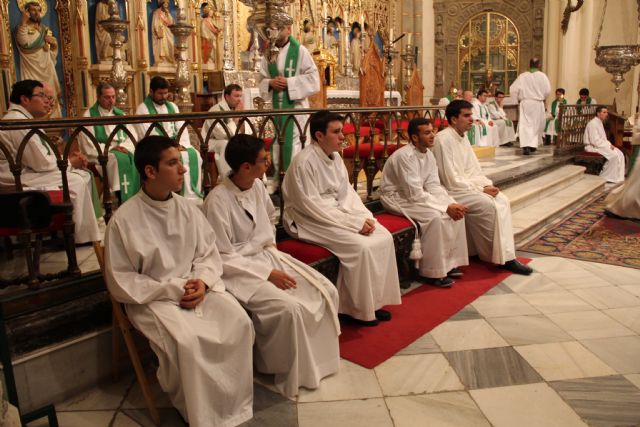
[416, 252]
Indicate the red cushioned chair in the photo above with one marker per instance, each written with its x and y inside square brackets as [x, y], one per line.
[303, 251]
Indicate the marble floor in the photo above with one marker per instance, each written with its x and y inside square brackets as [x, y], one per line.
[558, 348]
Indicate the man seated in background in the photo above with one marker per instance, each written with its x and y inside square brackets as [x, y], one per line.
[503, 124]
[595, 141]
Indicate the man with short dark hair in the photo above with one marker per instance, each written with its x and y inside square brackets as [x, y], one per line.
[121, 171]
[157, 102]
[162, 262]
[595, 141]
[232, 101]
[488, 216]
[501, 121]
[321, 207]
[410, 187]
[584, 98]
[40, 165]
[293, 307]
[488, 132]
[531, 89]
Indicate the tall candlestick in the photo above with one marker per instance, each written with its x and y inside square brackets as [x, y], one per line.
[324, 9]
[391, 34]
[409, 39]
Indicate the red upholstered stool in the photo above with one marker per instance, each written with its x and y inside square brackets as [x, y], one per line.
[303, 251]
[393, 223]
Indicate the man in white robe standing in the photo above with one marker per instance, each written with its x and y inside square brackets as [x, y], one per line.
[288, 83]
[488, 216]
[531, 89]
[489, 136]
[39, 163]
[162, 262]
[121, 171]
[293, 307]
[500, 119]
[321, 207]
[157, 102]
[232, 101]
[595, 141]
[410, 186]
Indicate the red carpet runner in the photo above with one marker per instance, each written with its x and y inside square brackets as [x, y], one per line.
[422, 309]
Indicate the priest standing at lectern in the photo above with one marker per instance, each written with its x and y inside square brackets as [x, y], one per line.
[289, 82]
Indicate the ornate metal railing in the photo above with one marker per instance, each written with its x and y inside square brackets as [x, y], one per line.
[573, 120]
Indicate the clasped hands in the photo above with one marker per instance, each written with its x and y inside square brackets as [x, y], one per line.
[278, 83]
[194, 291]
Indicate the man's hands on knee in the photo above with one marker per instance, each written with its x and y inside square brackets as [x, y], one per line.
[491, 190]
[282, 280]
[456, 211]
[368, 227]
[194, 291]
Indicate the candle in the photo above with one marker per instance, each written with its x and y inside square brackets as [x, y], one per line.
[391, 34]
[324, 9]
[409, 39]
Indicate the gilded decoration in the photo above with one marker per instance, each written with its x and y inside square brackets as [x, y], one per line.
[43, 5]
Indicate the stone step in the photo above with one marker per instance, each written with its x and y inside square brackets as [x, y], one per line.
[534, 217]
[530, 192]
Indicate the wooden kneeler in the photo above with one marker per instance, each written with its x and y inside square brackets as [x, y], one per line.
[121, 323]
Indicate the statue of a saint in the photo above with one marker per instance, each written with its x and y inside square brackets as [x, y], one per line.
[211, 33]
[37, 47]
[104, 51]
[309, 36]
[162, 36]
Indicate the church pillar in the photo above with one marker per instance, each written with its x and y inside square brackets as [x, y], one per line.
[426, 55]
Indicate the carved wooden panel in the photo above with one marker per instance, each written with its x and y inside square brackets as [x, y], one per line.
[415, 89]
[372, 79]
[319, 100]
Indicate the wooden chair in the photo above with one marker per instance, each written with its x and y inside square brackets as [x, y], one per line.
[121, 323]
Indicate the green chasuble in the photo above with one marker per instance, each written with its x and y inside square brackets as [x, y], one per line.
[127, 172]
[284, 102]
[191, 152]
[554, 114]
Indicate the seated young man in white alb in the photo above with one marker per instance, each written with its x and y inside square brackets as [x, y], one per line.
[595, 141]
[162, 262]
[157, 102]
[293, 307]
[40, 165]
[489, 136]
[488, 216]
[321, 207]
[410, 186]
[501, 121]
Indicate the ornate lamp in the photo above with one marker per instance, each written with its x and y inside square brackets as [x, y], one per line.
[181, 31]
[116, 28]
[267, 19]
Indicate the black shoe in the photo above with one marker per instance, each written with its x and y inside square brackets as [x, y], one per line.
[455, 272]
[526, 151]
[383, 315]
[443, 282]
[533, 149]
[346, 318]
[517, 267]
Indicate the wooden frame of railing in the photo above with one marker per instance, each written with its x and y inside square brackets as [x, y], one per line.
[573, 119]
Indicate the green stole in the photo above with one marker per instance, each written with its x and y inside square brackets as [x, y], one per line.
[191, 152]
[506, 120]
[471, 134]
[37, 43]
[484, 127]
[127, 172]
[554, 113]
[284, 102]
[44, 144]
[579, 101]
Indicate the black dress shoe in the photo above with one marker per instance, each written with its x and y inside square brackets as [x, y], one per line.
[455, 272]
[517, 267]
[526, 151]
[346, 318]
[443, 282]
[533, 149]
[383, 315]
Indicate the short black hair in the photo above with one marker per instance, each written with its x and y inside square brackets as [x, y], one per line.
[158, 82]
[534, 62]
[455, 107]
[102, 86]
[242, 148]
[356, 25]
[23, 88]
[498, 93]
[415, 124]
[481, 92]
[599, 108]
[338, 20]
[320, 121]
[230, 88]
[28, 4]
[584, 92]
[149, 151]
[561, 90]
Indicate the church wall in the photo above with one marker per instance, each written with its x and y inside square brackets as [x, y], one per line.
[427, 53]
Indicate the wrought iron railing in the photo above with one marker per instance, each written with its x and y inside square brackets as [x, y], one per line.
[572, 120]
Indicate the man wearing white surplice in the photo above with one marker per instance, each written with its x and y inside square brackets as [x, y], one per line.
[595, 141]
[288, 83]
[321, 207]
[28, 101]
[488, 216]
[293, 307]
[157, 102]
[489, 136]
[162, 262]
[410, 186]
[500, 119]
[531, 89]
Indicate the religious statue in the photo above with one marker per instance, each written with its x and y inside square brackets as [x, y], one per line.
[37, 47]
[104, 51]
[309, 36]
[163, 47]
[330, 41]
[211, 36]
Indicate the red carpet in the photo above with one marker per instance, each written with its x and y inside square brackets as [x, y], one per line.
[421, 310]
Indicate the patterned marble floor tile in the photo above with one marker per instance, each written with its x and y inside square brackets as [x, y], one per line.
[106, 396]
[549, 264]
[589, 324]
[347, 413]
[522, 330]
[503, 306]
[453, 409]
[168, 417]
[271, 409]
[629, 317]
[492, 367]
[616, 274]
[608, 297]
[500, 289]
[557, 302]
[632, 289]
[467, 313]
[536, 282]
[634, 379]
[135, 399]
[577, 279]
[466, 335]
[351, 382]
[530, 405]
[610, 401]
[423, 345]
[621, 353]
[416, 374]
[564, 360]
[88, 418]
